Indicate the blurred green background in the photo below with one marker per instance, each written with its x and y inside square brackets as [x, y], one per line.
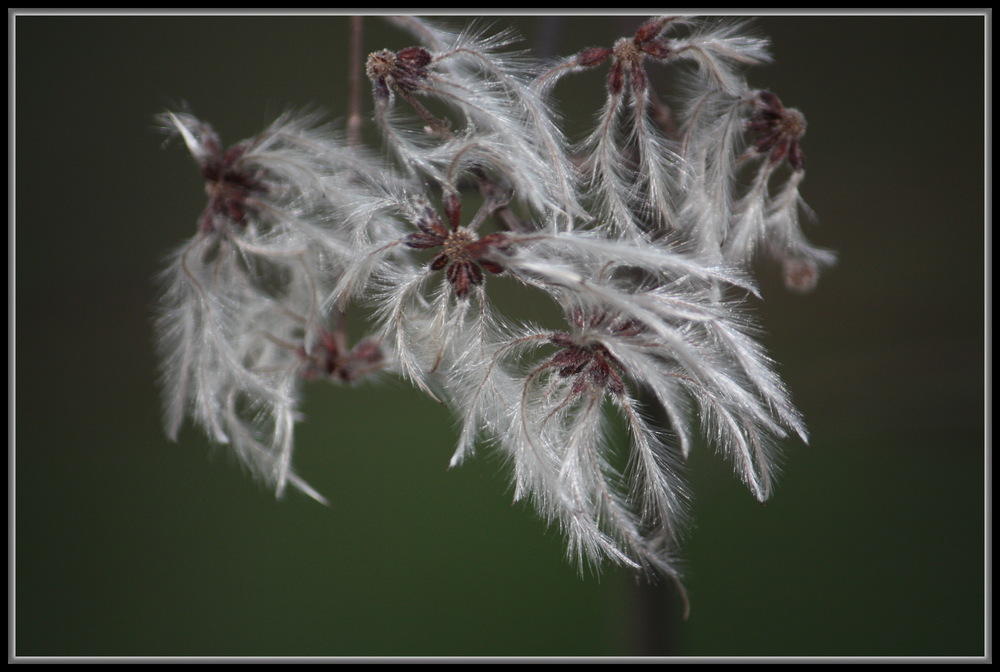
[128, 545]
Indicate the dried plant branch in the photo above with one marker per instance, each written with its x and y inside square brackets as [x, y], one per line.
[642, 235]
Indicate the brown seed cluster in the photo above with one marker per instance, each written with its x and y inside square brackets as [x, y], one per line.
[628, 55]
[591, 365]
[590, 362]
[778, 130]
[405, 72]
[464, 255]
[230, 186]
[333, 360]
[402, 71]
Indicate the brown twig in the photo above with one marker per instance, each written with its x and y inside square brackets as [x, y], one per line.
[354, 84]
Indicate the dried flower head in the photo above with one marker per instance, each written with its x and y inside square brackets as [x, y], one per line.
[640, 237]
[778, 130]
[463, 256]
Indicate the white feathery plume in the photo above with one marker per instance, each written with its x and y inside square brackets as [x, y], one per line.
[723, 135]
[550, 420]
[502, 125]
[430, 308]
[722, 369]
[721, 49]
[245, 290]
[801, 261]
[645, 251]
[711, 142]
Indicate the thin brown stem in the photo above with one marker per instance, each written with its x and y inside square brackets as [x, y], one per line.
[338, 317]
[354, 84]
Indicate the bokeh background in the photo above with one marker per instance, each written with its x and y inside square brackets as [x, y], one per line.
[128, 545]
